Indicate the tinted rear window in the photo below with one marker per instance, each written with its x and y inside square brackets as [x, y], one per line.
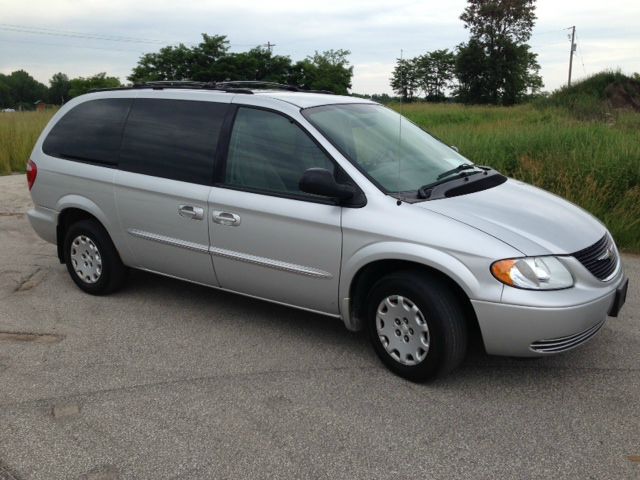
[89, 132]
[174, 139]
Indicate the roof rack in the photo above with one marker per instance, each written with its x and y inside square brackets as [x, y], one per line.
[236, 86]
[259, 84]
[178, 84]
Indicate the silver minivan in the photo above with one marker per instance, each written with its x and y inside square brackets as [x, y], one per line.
[332, 204]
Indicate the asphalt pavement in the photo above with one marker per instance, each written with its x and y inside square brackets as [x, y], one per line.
[169, 380]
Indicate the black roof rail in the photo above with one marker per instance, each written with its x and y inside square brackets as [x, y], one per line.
[177, 84]
[258, 84]
[162, 84]
[169, 84]
[235, 86]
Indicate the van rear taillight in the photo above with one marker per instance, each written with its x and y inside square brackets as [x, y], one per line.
[32, 173]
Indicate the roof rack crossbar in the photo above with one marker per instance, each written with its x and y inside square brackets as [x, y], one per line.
[177, 84]
[274, 85]
[230, 86]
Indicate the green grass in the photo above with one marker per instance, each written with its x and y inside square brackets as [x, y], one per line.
[591, 98]
[18, 133]
[593, 164]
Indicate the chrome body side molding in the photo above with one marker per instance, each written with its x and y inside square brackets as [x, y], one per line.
[270, 263]
[233, 255]
[154, 237]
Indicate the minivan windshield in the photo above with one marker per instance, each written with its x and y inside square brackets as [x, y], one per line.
[397, 154]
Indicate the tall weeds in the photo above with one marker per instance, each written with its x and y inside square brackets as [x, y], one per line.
[18, 133]
[595, 164]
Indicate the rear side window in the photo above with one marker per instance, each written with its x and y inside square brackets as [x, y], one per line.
[90, 132]
[175, 139]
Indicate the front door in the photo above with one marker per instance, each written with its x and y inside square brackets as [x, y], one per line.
[269, 239]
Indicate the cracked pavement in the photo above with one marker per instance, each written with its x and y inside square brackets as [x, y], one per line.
[168, 380]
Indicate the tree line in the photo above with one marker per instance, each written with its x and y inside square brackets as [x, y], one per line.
[19, 90]
[209, 61]
[495, 66]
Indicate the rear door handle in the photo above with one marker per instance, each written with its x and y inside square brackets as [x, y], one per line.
[226, 218]
[189, 211]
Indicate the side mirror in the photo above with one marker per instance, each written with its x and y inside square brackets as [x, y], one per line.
[320, 181]
[455, 148]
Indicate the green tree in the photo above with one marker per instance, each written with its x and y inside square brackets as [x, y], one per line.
[329, 70]
[170, 63]
[383, 98]
[59, 86]
[491, 20]
[435, 73]
[6, 99]
[472, 65]
[81, 85]
[199, 63]
[205, 59]
[23, 90]
[404, 79]
[210, 61]
[496, 65]
[256, 64]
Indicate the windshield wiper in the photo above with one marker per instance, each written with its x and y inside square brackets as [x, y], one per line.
[459, 168]
[425, 190]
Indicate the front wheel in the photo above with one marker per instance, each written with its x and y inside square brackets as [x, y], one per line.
[416, 325]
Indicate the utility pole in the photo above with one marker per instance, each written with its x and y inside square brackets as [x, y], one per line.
[573, 49]
[270, 46]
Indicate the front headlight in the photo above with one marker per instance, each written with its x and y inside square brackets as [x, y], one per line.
[533, 273]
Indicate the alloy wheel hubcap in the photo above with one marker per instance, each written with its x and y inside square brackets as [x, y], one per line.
[402, 330]
[86, 259]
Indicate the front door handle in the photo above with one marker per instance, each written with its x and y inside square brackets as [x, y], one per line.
[226, 218]
[189, 211]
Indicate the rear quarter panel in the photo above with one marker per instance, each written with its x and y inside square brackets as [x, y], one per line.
[62, 184]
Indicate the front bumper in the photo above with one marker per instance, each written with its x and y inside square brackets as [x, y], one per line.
[530, 331]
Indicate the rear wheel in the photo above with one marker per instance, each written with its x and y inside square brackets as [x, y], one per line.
[416, 325]
[92, 259]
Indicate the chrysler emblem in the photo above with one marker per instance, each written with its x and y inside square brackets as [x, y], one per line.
[607, 254]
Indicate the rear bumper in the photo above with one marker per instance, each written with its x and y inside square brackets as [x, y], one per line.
[44, 221]
[526, 331]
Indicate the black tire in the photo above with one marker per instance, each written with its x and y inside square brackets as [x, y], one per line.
[444, 317]
[113, 272]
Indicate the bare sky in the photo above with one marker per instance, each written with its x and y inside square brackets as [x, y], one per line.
[374, 30]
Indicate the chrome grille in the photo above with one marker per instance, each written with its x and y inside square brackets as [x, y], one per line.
[601, 258]
[562, 344]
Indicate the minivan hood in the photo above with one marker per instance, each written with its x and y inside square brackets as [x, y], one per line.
[529, 219]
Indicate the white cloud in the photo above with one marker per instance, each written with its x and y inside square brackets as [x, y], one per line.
[374, 30]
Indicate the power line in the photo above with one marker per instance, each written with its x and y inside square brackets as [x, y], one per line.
[69, 45]
[65, 33]
[535, 34]
[536, 45]
[580, 52]
[12, 28]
